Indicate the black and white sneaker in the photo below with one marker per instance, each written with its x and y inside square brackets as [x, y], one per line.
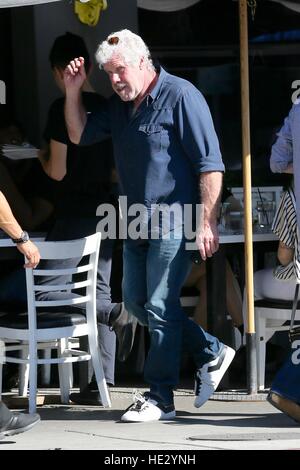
[18, 423]
[146, 409]
[208, 377]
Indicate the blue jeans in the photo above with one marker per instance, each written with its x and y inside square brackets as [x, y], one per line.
[154, 272]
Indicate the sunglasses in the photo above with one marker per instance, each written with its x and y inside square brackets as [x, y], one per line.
[113, 40]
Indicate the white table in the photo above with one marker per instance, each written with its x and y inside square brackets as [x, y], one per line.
[230, 238]
[240, 238]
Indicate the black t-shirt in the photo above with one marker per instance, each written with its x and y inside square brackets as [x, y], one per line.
[87, 182]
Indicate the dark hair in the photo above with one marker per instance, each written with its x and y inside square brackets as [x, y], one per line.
[65, 48]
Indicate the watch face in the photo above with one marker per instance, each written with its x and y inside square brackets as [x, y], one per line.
[25, 237]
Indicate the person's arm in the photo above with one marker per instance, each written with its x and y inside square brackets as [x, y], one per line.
[281, 160]
[285, 254]
[9, 224]
[197, 135]
[84, 128]
[54, 160]
[207, 238]
[75, 113]
[196, 132]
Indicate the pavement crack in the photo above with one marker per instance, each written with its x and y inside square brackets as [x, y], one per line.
[146, 441]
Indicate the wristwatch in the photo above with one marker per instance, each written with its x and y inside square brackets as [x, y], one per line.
[23, 239]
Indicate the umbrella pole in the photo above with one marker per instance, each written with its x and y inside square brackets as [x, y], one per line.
[244, 67]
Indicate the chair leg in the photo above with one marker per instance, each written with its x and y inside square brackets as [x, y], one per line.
[261, 351]
[98, 369]
[46, 368]
[2, 354]
[24, 372]
[32, 376]
[83, 367]
[63, 371]
[70, 366]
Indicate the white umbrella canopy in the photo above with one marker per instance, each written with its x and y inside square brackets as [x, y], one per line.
[158, 5]
[23, 3]
[175, 5]
[166, 5]
[292, 5]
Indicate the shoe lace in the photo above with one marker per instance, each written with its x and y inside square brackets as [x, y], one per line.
[139, 402]
[198, 383]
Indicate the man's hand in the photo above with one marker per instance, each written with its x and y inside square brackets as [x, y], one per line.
[207, 240]
[74, 75]
[31, 252]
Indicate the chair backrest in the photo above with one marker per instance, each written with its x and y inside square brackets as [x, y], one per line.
[87, 249]
[56, 328]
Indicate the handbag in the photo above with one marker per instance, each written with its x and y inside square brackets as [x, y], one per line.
[294, 331]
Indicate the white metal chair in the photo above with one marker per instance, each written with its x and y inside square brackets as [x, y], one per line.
[43, 328]
[270, 314]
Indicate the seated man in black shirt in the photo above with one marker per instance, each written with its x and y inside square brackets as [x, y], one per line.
[84, 175]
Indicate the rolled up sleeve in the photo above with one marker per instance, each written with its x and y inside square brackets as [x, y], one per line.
[197, 133]
[282, 149]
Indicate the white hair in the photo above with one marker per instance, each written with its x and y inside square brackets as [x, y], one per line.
[129, 46]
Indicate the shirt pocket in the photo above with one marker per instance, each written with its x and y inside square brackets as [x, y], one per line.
[150, 136]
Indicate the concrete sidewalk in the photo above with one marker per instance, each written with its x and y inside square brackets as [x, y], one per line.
[217, 425]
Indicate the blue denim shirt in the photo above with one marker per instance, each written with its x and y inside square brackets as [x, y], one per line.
[162, 147]
[286, 150]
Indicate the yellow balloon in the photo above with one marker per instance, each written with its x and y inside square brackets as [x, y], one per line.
[89, 13]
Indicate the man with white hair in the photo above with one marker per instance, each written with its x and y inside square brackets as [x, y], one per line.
[165, 149]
